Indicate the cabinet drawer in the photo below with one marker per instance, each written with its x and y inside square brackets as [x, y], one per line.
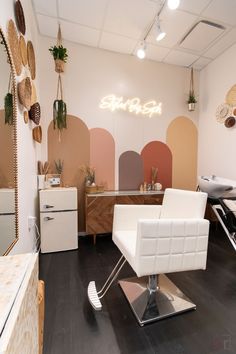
[130, 199]
[153, 199]
[58, 199]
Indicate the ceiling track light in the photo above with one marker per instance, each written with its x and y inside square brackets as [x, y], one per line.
[141, 52]
[173, 4]
[159, 33]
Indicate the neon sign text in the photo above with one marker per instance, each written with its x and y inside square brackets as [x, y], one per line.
[132, 105]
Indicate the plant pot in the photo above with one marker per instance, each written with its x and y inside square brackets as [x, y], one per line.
[59, 66]
[191, 106]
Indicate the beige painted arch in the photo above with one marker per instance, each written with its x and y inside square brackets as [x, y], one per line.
[182, 139]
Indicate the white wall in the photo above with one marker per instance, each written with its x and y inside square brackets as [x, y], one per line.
[90, 74]
[93, 73]
[28, 152]
[217, 144]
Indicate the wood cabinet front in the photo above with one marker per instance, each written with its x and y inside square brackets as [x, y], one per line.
[99, 209]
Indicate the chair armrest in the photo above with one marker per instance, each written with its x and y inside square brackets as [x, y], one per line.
[170, 245]
[162, 228]
[126, 216]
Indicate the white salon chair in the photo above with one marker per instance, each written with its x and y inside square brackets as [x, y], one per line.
[158, 239]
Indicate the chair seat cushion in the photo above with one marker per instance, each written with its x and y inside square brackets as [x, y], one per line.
[126, 242]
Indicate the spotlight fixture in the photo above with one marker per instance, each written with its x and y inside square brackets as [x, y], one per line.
[160, 34]
[141, 52]
[173, 4]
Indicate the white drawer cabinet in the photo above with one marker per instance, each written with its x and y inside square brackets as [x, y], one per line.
[58, 219]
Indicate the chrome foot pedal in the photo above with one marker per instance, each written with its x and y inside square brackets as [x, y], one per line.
[93, 296]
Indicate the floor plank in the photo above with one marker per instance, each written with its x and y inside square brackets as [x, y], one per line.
[72, 326]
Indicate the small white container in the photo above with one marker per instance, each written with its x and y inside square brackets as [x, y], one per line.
[41, 181]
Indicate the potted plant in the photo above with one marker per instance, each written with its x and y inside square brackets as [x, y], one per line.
[59, 114]
[191, 101]
[60, 56]
[59, 110]
[191, 97]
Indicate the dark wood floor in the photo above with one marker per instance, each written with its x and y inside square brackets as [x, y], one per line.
[72, 326]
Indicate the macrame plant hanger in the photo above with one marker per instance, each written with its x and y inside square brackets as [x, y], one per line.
[191, 89]
[191, 98]
[59, 106]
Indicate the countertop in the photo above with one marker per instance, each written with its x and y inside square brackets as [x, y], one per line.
[12, 272]
[121, 193]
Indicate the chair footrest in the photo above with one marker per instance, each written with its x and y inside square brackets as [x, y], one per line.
[93, 296]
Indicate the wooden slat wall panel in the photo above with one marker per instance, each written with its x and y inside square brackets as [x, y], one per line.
[99, 214]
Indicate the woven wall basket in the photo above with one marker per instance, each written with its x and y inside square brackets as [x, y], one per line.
[23, 50]
[14, 46]
[20, 18]
[31, 59]
[37, 134]
[24, 89]
[26, 117]
[35, 113]
[229, 122]
[231, 96]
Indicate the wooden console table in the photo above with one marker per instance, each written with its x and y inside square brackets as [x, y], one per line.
[99, 207]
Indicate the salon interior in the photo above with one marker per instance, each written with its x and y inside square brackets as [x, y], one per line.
[117, 176]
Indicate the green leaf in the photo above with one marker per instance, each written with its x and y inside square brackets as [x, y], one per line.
[59, 52]
[59, 115]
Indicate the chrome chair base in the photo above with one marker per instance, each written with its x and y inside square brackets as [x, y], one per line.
[149, 304]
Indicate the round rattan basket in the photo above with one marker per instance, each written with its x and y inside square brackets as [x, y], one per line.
[35, 113]
[31, 59]
[229, 122]
[37, 134]
[231, 96]
[26, 117]
[24, 92]
[14, 46]
[20, 18]
[23, 50]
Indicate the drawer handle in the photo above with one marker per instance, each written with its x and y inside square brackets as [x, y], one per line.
[47, 206]
[47, 218]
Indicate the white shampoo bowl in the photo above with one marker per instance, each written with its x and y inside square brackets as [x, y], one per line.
[215, 186]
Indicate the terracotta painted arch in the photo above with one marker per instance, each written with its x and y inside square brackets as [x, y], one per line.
[130, 171]
[182, 138]
[102, 157]
[157, 154]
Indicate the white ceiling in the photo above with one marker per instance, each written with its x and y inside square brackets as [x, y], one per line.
[120, 25]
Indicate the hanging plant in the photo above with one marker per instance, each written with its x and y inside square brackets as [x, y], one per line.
[59, 106]
[8, 105]
[59, 53]
[59, 109]
[191, 98]
[59, 114]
